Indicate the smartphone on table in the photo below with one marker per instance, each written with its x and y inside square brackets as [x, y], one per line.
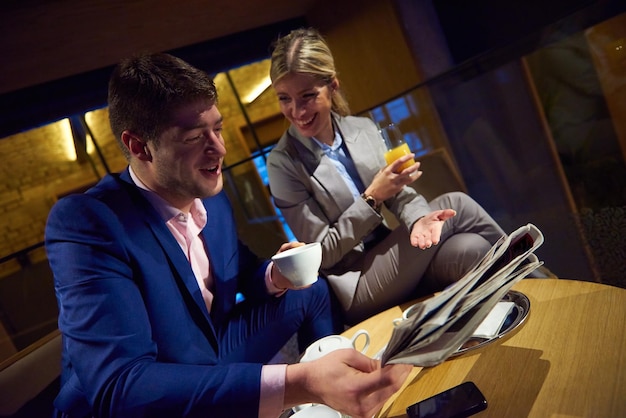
[460, 401]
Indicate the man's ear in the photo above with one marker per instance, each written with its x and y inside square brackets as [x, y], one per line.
[136, 146]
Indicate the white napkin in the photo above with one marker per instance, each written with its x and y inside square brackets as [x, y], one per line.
[490, 327]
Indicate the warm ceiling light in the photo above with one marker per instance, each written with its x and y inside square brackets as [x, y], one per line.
[69, 149]
[257, 90]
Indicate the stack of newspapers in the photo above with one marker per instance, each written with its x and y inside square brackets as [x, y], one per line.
[443, 322]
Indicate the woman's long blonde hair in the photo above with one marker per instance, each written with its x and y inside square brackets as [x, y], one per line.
[305, 51]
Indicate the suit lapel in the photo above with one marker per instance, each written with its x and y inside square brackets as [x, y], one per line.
[180, 267]
[321, 168]
[179, 263]
[356, 141]
[214, 249]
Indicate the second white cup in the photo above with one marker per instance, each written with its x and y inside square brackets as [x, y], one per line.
[407, 313]
[331, 343]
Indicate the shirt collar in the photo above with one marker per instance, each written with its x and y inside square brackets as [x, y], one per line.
[167, 211]
[337, 143]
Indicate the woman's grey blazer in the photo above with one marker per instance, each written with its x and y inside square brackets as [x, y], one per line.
[319, 207]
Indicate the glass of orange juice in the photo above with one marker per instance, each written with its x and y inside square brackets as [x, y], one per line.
[396, 146]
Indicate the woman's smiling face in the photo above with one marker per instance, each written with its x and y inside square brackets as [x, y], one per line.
[306, 102]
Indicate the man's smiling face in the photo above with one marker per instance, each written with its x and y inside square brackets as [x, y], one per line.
[187, 162]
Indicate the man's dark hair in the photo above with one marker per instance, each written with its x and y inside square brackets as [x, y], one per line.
[145, 90]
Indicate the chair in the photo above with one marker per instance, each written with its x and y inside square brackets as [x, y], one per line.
[27, 373]
[7, 348]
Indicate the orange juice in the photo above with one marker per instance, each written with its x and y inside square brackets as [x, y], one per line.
[397, 152]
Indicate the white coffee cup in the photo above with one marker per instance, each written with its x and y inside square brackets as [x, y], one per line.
[406, 314]
[317, 411]
[331, 343]
[300, 265]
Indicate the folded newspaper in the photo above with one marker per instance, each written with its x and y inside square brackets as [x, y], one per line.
[443, 322]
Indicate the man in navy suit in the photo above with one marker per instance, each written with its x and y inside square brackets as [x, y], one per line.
[147, 265]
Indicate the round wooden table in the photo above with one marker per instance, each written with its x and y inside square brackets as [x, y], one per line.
[568, 359]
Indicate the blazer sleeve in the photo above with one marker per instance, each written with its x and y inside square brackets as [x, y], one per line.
[115, 355]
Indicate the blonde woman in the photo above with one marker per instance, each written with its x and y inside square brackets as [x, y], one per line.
[329, 179]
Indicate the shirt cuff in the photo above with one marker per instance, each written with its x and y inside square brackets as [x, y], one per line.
[272, 390]
[269, 284]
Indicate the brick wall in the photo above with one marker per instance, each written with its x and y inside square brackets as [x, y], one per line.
[37, 167]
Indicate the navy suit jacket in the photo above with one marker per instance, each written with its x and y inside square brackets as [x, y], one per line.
[138, 339]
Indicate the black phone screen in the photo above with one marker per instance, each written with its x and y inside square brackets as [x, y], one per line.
[457, 402]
